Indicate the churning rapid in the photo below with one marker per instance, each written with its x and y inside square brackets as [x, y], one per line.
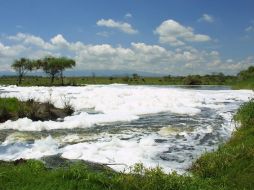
[123, 125]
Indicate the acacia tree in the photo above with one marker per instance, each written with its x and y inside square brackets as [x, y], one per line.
[55, 65]
[22, 66]
[65, 63]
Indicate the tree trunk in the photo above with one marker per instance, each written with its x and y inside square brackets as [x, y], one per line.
[61, 75]
[19, 79]
[52, 79]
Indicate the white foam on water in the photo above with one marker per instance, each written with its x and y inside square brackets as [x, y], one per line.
[121, 153]
[41, 147]
[117, 103]
[82, 120]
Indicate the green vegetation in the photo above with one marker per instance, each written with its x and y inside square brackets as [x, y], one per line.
[132, 80]
[230, 167]
[33, 175]
[245, 79]
[55, 66]
[22, 66]
[12, 109]
[52, 66]
[8, 106]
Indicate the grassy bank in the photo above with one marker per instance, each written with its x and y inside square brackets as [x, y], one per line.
[12, 109]
[230, 167]
[131, 80]
[244, 84]
[232, 81]
[243, 80]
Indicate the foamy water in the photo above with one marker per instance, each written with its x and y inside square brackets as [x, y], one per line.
[124, 125]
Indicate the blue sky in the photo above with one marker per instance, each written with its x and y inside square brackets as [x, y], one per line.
[157, 36]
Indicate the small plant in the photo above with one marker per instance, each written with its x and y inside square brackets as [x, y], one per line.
[21, 112]
[68, 108]
[4, 113]
[32, 112]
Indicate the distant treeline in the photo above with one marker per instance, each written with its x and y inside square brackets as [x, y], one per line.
[55, 66]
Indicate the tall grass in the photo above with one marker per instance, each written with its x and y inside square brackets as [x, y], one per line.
[7, 107]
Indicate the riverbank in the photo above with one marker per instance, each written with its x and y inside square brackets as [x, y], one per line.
[13, 109]
[231, 81]
[230, 167]
[131, 80]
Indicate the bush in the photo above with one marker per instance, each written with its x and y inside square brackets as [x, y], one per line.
[4, 114]
[245, 114]
[7, 107]
[22, 111]
[192, 80]
[68, 108]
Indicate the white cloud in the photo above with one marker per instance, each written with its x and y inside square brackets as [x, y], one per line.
[173, 33]
[30, 39]
[137, 57]
[206, 18]
[122, 26]
[6, 51]
[8, 54]
[59, 41]
[128, 15]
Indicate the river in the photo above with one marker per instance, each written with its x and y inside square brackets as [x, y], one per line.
[166, 126]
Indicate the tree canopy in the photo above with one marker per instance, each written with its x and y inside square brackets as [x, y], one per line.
[22, 66]
[54, 66]
[248, 73]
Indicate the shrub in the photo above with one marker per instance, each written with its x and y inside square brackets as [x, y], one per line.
[4, 113]
[192, 80]
[245, 113]
[68, 108]
[22, 111]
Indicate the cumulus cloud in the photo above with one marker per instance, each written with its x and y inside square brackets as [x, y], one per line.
[173, 33]
[30, 39]
[59, 40]
[206, 18]
[137, 57]
[122, 26]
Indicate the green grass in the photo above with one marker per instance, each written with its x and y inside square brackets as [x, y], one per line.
[9, 108]
[33, 175]
[194, 80]
[244, 84]
[12, 109]
[11, 104]
[230, 167]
